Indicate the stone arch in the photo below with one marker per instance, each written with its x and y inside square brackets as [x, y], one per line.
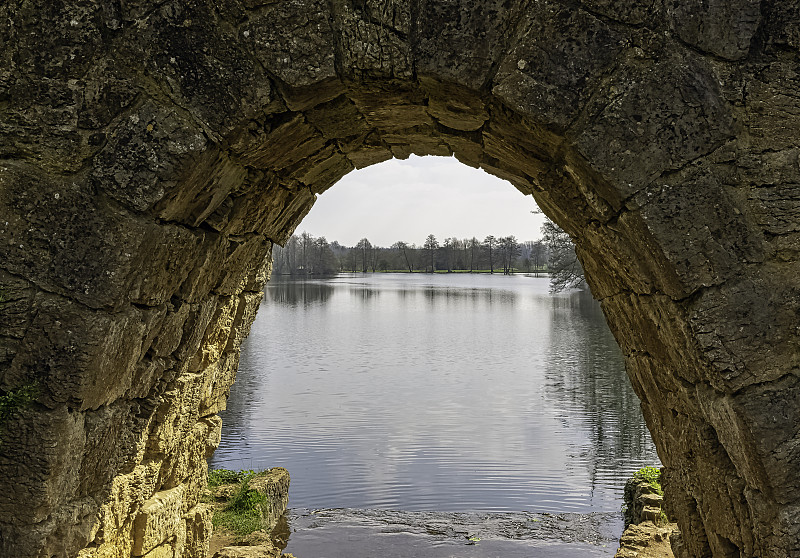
[153, 152]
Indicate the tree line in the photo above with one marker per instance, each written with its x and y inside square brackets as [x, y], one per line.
[305, 254]
[554, 253]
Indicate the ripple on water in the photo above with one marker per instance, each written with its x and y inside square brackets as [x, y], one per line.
[445, 393]
[354, 533]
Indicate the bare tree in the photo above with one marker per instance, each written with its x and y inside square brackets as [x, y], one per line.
[431, 245]
[490, 242]
[538, 254]
[565, 270]
[402, 247]
[509, 250]
[365, 248]
[474, 245]
[449, 246]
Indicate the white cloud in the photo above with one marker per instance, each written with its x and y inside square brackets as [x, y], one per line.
[407, 200]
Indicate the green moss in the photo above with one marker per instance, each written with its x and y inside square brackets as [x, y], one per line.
[243, 512]
[16, 399]
[653, 477]
[218, 477]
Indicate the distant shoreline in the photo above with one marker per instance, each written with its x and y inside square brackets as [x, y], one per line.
[544, 273]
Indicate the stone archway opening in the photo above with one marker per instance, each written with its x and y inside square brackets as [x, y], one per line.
[311, 296]
[157, 151]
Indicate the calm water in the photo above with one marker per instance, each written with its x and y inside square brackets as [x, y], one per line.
[445, 393]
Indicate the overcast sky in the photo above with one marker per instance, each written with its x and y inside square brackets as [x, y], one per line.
[408, 200]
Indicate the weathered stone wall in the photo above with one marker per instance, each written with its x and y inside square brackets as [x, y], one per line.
[152, 152]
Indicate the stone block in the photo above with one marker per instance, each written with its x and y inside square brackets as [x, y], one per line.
[198, 532]
[460, 41]
[722, 27]
[67, 241]
[175, 416]
[634, 12]
[244, 263]
[293, 40]
[322, 170]
[206, 185]
[366, 150]
[202, 63]
[259, 274]
[274, 484]
[271, 211]
[218, 379]
[187, 465]
[515, 153]
[665, 114]
[85, 358]
[41, 459]
[258, 551]
[113, 529]
[455, 106]
[158, 521]
[217, 334]
[16, 300]
[280, 145]
[194, 327]
[170, 331]
[145, 152]
[391, 109]
[224, 265]
[245, 315]
[754, 338]
[695, 221]
[163, 551]
[338, 119]
[420, 140]
[556, 63]
[771, 113]
[56, 234]
[373, 39]
[162, 262]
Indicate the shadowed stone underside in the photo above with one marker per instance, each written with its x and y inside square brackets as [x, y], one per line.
[153, 152]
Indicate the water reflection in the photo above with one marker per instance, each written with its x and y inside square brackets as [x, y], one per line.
[299, 293]
[599, 403]
[446, 393]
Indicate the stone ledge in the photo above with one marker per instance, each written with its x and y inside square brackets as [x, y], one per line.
[159, 519]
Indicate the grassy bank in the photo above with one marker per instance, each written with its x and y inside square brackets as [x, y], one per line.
[238, 508]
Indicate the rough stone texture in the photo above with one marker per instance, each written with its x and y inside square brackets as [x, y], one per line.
[647, 530]
[642, 502]
[152, 152]
[258, 551]
[645, 540]
[275, 486]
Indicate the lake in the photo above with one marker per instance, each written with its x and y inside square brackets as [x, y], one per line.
[445, 393]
